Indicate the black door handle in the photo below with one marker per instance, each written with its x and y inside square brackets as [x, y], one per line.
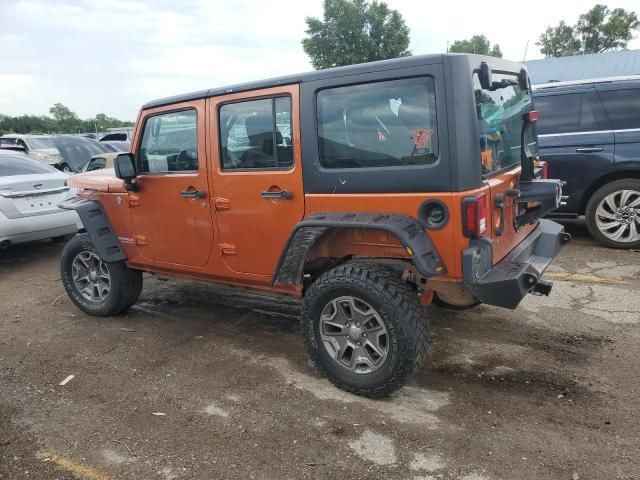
[589, 149]
[193, 194]
[279, 195]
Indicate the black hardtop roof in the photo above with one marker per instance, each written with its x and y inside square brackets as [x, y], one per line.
[359, 68]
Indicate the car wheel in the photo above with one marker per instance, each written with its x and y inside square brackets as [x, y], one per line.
[443, 301]
[65, 168]
[613, 214]
[364, 328]
[97, 287]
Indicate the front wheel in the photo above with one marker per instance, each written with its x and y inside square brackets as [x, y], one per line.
[613, 214]
[97, 287]
[364, 328]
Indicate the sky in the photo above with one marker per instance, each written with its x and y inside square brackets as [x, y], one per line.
[111, 56]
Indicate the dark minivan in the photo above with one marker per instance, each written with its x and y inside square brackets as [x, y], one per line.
[589, 134]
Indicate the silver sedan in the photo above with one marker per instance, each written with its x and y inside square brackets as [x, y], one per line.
[30, 192]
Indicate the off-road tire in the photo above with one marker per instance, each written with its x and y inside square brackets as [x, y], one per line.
[437, 300]
[126, 283]
[398, 305]
[592, 205]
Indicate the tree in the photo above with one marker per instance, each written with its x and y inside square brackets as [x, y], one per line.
[478, 44]
[63, 121]
[559, 41]
[355, 31]
[67, 120]
[599, 30]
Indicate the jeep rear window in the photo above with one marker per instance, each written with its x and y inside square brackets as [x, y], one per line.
[500, 115]
[256, 134]
[378, 124]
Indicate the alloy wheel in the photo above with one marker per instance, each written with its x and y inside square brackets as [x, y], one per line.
[618, 216]
[91, 276]
[354, 334]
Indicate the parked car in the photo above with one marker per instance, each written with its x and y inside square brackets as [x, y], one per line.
[30, 192]
[117, 145]
[77, 151]
[398, 203]
[115, 137]
[10, 144]
[41, 147]
[589, 134]
[100, 161]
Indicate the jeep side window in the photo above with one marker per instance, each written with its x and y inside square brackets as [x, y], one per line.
[569, 113]
[623, 107]
[256, 134]
[378, 124]
[169, 143]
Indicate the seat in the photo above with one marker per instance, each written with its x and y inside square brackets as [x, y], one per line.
[259, 130]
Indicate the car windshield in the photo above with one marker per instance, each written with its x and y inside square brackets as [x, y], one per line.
[22, 165]
[500, 114]
[39, 143]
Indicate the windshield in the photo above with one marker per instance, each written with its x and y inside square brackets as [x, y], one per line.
[500, 120]
[38, 143]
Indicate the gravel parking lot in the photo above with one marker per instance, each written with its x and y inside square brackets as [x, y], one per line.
[196, 384]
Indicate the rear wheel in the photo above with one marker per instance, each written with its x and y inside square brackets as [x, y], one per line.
[97, 287]
[613, 214]
[364, 328]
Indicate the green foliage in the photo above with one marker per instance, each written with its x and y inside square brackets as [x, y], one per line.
[355, 31]
[559, 41]
[599, 30]
[478, 44]
[63, 121]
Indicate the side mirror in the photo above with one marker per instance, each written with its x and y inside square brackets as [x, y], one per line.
[523, 80]
[486, 82]
[126, 170]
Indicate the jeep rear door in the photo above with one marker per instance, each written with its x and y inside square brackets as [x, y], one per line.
[500, 113]
[256, 176]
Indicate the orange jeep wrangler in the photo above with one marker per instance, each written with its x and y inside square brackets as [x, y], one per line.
[366, 191]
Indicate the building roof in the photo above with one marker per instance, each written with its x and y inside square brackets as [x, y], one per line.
[582, 67]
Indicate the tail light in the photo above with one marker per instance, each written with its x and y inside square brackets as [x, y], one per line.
[475, 215]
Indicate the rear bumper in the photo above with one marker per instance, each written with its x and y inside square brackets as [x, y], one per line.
[507, 282]
[38, 227]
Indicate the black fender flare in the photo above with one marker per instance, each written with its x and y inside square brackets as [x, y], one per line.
[98, 228]
[407, 229]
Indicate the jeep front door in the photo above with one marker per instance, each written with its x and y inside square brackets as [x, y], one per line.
[257, 177]
[171, 211]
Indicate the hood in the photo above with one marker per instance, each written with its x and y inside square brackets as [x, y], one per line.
[76, 151]
[104, 180]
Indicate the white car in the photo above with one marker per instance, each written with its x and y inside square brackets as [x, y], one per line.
[30, 192]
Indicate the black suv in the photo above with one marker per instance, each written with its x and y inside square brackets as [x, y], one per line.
[589, 133]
